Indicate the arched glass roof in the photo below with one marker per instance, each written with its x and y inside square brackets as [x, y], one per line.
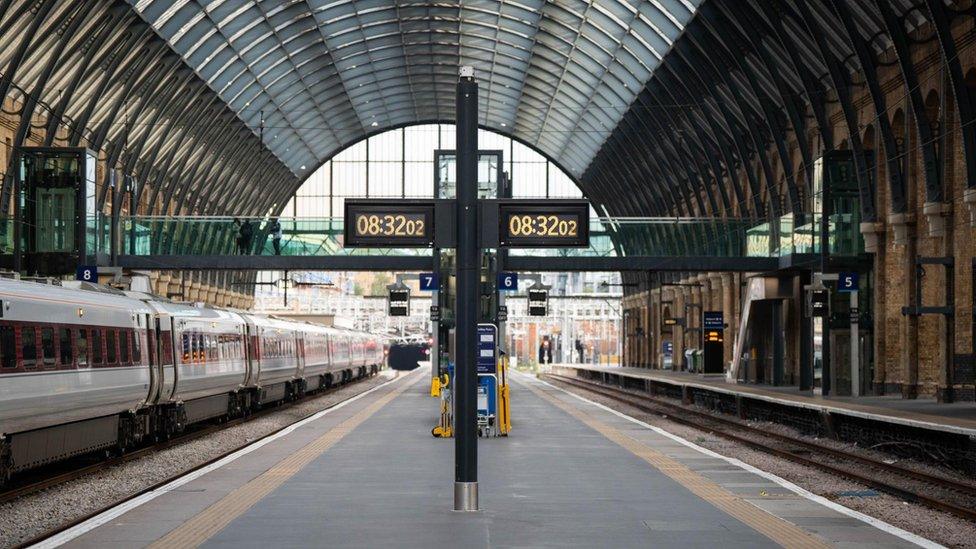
[324, 74]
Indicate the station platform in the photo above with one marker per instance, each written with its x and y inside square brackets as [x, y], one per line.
[571, 474]
[958, 418]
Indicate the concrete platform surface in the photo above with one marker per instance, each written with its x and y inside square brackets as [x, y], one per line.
[959, 417]
[571, 474]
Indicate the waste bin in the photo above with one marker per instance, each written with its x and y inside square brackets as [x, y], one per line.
[689, 364]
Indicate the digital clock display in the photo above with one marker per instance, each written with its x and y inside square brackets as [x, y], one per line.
[388, 224]
[550, 224]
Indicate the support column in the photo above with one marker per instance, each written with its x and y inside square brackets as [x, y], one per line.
[806, 336]
[777, 329]
[466, 332]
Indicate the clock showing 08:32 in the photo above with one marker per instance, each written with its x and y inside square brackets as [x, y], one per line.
[549, 224]
[391, 224]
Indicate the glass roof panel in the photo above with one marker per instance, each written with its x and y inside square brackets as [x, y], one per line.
[319, 75]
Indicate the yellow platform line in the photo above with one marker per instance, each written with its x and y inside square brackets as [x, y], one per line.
[780, 531]
[215, 518]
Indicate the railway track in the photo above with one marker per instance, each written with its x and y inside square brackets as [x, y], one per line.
[943, 494]
[36, 482]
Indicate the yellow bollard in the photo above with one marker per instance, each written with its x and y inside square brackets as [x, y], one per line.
[504, 410]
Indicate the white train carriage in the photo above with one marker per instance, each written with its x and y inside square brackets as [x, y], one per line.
[90, 368]
[318, 369]
[275, 362]
[73, 365]
[203, 363]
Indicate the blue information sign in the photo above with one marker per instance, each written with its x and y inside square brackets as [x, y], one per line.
[847, 282]
[487, 348]
[487, 395]
[713, 320]
[430, 282]
[87, 273]
[507, 282]
[668, 348]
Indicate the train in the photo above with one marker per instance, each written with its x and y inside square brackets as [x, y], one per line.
[87, 368]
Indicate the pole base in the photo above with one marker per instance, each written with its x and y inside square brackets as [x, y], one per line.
[466, 496]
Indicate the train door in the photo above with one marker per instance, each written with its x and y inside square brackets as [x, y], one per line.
[330, 350]
[166, 357]
[300, 353]
[155, 373]
[251, 353]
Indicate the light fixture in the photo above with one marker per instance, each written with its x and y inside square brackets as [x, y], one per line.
[81, 312]
[374, 124]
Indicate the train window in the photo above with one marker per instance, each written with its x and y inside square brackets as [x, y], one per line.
[195, 348]
[166, 348]
[111, 351]
[8, 347]
[186, 348]
[124, 347]
[137, 347]
[28, 346]
[64, 346]
[82, 347]
[47, 344]
[96, 345]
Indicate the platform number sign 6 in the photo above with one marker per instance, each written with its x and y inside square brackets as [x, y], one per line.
[507, 282]
[847, 282]
[87, 273]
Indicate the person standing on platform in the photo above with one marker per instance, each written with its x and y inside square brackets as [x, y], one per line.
[238, 240]
[545, 352]
[580, 352]
[247, 237]
[275, 230]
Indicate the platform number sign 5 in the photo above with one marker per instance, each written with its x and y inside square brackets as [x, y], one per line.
[847, 282]
[507, 282]
[430, 282]
[87, 273]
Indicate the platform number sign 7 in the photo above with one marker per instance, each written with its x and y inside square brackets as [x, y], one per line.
[429, 282]
[847, 282]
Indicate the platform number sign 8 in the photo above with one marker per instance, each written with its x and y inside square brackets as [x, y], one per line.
[847, 282]
[87, 273]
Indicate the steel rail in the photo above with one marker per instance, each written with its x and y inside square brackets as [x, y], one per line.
[640, 401]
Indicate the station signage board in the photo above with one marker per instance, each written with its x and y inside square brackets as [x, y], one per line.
[389, 224]
[398, 303]
[538, 302]
[487, 348]
[502, 313]
[713, 320]
[544, 224]
[819, 303]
